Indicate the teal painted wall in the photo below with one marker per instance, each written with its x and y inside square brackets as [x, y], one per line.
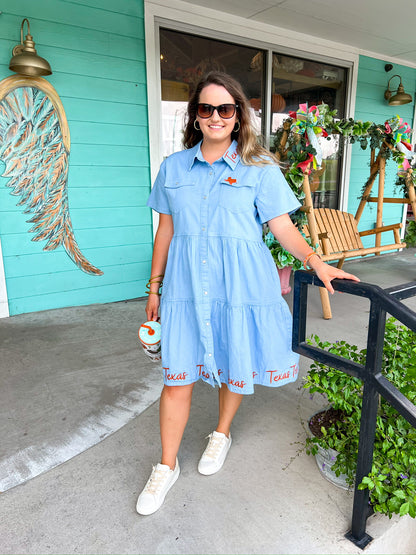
[97, 53]
[371, 106]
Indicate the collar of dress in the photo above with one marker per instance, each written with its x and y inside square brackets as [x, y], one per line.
[230, 156]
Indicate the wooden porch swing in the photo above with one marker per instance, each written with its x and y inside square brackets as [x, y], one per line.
[336, 233]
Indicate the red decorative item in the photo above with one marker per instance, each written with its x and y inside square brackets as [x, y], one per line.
[278, 103]
[304, 165]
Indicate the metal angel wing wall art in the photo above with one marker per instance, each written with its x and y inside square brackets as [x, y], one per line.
[34, 148]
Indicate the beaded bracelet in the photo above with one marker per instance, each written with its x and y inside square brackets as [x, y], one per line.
[307, 257]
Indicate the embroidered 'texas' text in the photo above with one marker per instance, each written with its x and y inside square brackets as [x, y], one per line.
[274, 377]
[175, 377]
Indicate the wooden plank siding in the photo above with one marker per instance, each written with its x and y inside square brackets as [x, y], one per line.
[371, 106]
[97, 53]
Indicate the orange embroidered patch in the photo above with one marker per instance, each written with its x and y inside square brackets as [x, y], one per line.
[230, 180]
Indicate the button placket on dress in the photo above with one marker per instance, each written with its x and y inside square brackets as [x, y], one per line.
[209, 361]
[209, 246]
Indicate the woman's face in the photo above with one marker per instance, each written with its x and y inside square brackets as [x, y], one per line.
[216, 129]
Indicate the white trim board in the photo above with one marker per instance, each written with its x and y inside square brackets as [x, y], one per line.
[4, 304]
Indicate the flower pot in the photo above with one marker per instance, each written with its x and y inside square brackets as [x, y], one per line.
[325, 459]
[284, 276]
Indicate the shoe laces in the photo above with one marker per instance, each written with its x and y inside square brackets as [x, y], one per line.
[214, 446]
[156, 481]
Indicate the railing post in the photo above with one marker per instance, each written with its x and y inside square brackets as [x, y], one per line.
[374, 383]
[361, 509]
[300, 303]
[374, 359]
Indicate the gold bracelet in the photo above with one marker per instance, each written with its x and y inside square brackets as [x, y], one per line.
[152, 293]
[155, 279]
[307, 257]
[149, 283]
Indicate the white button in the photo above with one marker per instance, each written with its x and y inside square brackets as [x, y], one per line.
[210, 173]
[207, 323]
[205, 292]
[209, 354]
[204, 262]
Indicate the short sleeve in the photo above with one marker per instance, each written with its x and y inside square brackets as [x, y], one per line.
[158, 199]
[274, 196]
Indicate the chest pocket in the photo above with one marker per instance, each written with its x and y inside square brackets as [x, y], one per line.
[237, 196]
[181, 194]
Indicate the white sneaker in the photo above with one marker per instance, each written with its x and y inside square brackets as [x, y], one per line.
[161, 480]
[214, 455]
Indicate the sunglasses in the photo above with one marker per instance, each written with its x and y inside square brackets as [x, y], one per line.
[225, 111]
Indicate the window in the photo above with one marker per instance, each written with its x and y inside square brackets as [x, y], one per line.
[184, 58]
[298, 81]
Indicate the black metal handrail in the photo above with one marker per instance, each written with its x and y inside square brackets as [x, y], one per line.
[374, 383]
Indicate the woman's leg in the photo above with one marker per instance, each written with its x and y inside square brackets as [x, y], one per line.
[175, 405]
[229, 403]
[220, 441]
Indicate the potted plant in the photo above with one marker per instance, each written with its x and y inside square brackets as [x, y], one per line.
[284, 261]
[392, 480]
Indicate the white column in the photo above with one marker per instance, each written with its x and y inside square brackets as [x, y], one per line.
[4, 305]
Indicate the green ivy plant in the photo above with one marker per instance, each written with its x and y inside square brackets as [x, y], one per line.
[410, 237]
[281, 257]
[392, 480]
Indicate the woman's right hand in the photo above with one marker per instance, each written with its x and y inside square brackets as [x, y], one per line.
[152, 307]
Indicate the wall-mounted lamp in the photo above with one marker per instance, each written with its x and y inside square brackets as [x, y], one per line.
[25, 60]
[400, 97]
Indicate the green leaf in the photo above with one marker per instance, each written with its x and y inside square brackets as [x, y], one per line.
[399, 493]
[404, 509]
[394, 504]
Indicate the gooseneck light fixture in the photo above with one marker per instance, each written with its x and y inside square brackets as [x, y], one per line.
[25, 60]
[400, 97]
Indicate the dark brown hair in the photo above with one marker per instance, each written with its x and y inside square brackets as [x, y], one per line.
[249, 149]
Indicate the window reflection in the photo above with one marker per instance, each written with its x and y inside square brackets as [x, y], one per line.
[298, 81]
[184, 58]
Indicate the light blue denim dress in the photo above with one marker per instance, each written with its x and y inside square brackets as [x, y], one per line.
[222, 314]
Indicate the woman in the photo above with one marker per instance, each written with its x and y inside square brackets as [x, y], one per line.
[223, 317]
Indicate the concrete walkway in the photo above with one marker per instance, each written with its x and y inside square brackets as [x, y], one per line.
[74, 381]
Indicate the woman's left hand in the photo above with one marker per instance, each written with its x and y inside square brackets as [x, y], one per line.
[291, 239]
[326, 273]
